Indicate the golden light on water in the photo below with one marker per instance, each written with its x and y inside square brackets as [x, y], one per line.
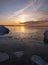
[22, 29]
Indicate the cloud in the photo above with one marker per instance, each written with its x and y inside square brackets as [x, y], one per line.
[31, 4]
[35, 9]
[21, 10]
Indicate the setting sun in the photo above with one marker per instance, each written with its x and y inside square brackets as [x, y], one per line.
[22, 21]
[22, 18]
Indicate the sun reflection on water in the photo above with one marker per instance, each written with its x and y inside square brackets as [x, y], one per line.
[26, 32]
[22, 29]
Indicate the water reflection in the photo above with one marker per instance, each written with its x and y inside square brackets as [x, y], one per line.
[23, 32]
[22, 29]
[27, 32]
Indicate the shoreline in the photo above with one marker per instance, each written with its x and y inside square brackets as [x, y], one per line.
[30, 48]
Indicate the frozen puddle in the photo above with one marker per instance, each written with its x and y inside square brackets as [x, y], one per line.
[3, 57]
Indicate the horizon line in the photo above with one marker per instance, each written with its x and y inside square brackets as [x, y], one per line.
[27, 25]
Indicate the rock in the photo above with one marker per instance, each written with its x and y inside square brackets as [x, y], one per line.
[46, 36]
[3, 57]
[3, 30]
[19, 54]
[38, 60]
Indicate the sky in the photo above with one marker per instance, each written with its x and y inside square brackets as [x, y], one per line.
[15, 11]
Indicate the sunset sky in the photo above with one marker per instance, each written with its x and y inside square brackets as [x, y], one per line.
[15, 11]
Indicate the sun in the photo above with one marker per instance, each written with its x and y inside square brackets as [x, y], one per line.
[22, 21]
[22, 18]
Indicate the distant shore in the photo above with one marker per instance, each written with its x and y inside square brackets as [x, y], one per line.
[26, 25]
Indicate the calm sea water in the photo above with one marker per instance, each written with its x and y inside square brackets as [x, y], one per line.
[26, 32]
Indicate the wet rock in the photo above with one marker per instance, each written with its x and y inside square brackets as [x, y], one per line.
[38, 60]
[19, 54]
[3, 30]
[46, 36]
[3, 57]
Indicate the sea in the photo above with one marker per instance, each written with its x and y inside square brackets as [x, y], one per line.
[25, 32]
